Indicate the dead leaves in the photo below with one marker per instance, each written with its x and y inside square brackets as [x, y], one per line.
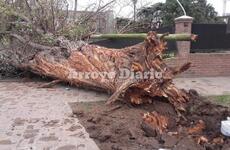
[156, 121]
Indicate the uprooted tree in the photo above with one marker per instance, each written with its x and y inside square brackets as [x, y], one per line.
[63, 59]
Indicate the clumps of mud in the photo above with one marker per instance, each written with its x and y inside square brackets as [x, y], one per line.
[120, 127]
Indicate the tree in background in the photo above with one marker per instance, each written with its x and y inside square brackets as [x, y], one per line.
[46, 20]
[200, 10]
[151, 15]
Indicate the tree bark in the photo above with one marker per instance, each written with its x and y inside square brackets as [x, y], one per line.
[65, 64]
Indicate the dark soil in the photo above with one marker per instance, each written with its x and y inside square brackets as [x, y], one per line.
[120, 126]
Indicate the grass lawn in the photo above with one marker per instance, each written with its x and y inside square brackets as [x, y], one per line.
[222, 100]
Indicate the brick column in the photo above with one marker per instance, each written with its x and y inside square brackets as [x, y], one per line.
[183, 24]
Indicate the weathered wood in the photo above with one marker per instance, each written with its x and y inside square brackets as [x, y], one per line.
[65, 64]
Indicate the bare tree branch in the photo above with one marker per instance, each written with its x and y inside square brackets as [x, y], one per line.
[34, 45]
[91, 15]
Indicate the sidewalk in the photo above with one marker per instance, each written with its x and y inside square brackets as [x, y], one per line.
[211, 86]
[39, 119]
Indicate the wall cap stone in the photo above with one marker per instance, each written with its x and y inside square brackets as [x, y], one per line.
[184, 19]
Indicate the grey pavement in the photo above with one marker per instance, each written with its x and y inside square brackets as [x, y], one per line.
[32, 118]
[209, 86]
[40, 119]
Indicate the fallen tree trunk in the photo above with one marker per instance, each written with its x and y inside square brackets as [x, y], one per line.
[100, 68]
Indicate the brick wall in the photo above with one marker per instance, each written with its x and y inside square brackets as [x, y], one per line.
[183, 24]
[204, 64]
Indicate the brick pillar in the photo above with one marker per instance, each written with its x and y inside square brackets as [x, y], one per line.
[183, 25]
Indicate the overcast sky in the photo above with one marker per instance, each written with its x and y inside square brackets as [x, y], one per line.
[124, 8]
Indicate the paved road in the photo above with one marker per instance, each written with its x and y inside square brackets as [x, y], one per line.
[40, 119]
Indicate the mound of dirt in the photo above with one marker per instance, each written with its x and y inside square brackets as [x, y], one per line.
[121, 127]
